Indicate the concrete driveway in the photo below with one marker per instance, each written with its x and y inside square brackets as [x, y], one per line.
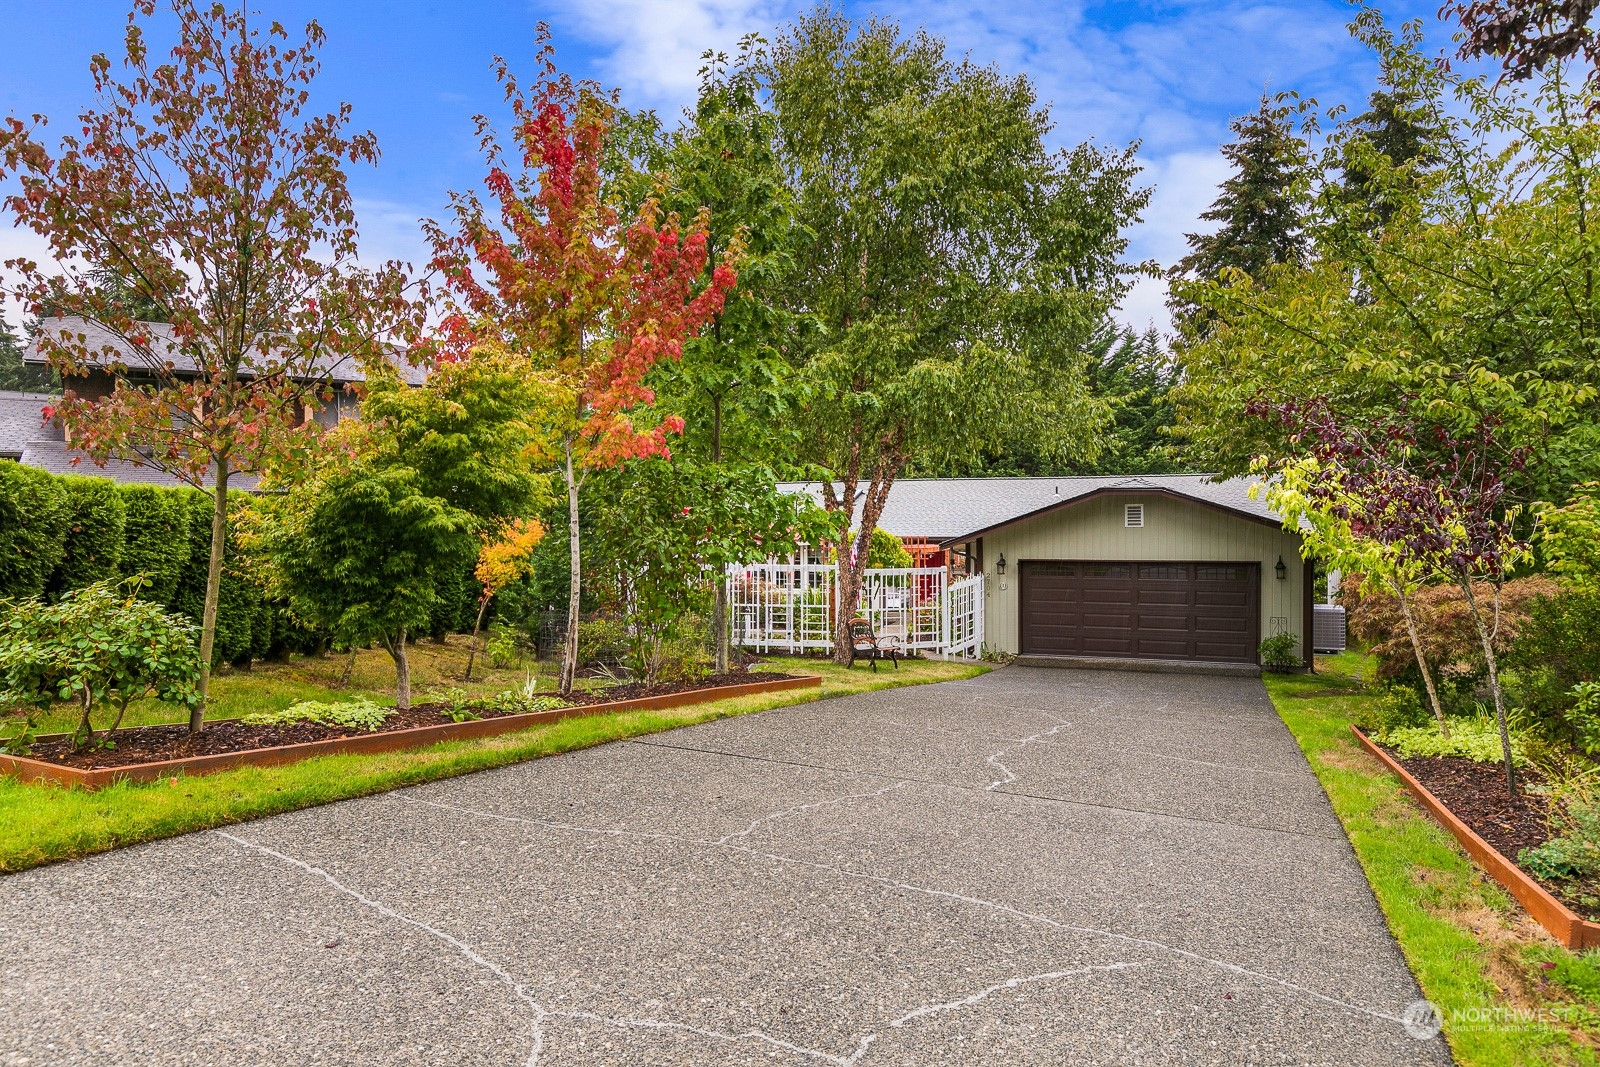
[1034, 866]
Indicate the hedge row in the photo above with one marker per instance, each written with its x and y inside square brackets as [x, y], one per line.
[63, 532]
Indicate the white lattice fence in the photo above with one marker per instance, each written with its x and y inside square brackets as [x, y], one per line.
[788, 607]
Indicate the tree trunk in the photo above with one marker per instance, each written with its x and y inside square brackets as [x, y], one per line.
[719, 622]
[569, 658]
[402, 671]
[349, 668]
[1487, 640]
[208, 617]
[719, 593]
[852, 574]
[1422, 662]
[472, 646]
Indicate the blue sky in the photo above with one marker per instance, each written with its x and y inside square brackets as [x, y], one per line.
[1169, 73]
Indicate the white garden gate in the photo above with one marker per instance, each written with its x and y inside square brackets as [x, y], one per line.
[788, 607]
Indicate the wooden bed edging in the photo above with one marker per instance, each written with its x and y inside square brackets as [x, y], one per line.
[1564, 924]
[32, 770]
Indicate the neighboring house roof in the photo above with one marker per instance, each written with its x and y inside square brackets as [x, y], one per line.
[21, 420]
[956, 509]
[96, 338]
[58, 457]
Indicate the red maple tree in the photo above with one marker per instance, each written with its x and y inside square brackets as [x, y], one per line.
[553, 274]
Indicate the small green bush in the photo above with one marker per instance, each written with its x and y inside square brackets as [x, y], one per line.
[1280, 652]
[96, 647]
[346, 715]
[1476, 739]
[503, 648]
[1395, 706]
[95, 516]
[602, 642]
[33, 508]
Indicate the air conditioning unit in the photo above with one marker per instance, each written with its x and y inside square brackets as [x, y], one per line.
[1328, 628]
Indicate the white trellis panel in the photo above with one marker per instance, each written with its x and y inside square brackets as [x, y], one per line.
[788, 607]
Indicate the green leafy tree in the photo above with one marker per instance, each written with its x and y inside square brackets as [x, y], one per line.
[362, 555]
[14, 373]
[96, 517]
[1477, 301]
[1395, 142]
[666, 527]
[222, 208]
[1260, 212]
[732, 385]
[99, 646]
[954, 265]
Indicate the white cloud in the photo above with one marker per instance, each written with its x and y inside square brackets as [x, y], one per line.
[655, 45]
[1185, 185]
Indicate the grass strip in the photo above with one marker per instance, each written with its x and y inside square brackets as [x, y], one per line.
[1474, 952]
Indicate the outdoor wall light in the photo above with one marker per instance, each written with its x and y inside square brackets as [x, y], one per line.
[1000, 564]
[1281, 570]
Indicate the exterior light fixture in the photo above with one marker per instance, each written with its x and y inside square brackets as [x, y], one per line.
[1281, 570]
[1000, 564]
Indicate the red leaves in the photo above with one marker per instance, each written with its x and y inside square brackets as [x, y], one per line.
[591, 302]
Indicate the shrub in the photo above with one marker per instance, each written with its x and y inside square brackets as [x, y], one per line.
[602, 642]
[503, 648]
[346, 715]
[96, 646]
[32, 529]
[680, 660]
[1444, 625]
[1476, 739]
[1556, 652]
[94, 517]
[1393, 707]
[1280, 652]
[1574, 851]
[156, 540]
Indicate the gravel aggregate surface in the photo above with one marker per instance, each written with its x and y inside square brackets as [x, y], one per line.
[1035, 866]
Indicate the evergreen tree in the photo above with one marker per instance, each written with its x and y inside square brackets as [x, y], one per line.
[13, 373]
[1384, 151]
[1261, 208]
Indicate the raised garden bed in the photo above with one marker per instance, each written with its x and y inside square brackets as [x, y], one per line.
[146, 753]
[1470, 800]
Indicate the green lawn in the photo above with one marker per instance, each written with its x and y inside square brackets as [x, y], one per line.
[46, 823]
[1509, 995]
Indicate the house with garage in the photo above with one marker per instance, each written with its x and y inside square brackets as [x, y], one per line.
[1180, 568]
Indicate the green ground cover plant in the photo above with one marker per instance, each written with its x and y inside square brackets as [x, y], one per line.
[1509, 995]
[49, 823]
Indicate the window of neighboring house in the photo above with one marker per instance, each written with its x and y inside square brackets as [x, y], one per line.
[14, 456]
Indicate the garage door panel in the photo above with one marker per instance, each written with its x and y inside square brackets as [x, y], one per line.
[1142, 610]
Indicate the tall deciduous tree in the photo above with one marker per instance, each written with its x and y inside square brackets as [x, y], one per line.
[206, 188]
[588, 300]
[1261, 210]
[731, 387]
[954, 265]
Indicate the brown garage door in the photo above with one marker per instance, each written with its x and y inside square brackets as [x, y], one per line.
[1200, 611]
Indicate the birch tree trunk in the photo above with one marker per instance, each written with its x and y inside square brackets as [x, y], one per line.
[569, 657]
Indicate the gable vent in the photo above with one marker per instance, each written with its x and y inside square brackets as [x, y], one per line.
[1133, 516]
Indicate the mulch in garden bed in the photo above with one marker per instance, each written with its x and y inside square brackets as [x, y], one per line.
[150, 744]
[1476, 793]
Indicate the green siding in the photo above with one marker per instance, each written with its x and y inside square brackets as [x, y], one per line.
[1174, 531]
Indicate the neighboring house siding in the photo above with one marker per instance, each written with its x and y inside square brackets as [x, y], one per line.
[1173, 531]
